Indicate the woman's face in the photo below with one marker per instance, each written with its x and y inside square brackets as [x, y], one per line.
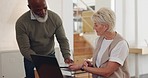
[100, 28]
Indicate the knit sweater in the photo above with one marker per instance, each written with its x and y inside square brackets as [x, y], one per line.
[34, 37]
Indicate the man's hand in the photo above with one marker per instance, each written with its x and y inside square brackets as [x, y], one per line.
[68, 60]
[75, 67]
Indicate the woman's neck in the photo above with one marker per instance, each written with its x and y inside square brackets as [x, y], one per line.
[110, 35]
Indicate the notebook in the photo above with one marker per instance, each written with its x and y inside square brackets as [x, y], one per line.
[47, 66]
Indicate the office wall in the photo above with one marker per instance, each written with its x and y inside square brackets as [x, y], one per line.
[11, 64]
[102, 3]
[8, 15]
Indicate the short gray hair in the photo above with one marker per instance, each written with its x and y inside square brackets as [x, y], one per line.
[105, 16]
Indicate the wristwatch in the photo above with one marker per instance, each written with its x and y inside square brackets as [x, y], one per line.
[82, 68]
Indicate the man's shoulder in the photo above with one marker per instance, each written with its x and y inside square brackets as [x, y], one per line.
[52, 13]
[24, 16]
[54, 16]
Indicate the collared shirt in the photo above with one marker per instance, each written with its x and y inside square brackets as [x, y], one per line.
[32, 16]
[118, 54]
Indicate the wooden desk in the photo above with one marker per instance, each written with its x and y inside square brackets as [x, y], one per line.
[82, 74]
[138, 51]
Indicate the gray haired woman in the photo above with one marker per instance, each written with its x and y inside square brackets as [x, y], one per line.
[110, 54]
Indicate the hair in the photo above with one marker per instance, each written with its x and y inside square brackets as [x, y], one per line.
[105, 16]
[30, 2]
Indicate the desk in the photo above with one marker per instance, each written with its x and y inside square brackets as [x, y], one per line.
[82, 74]
[137, 51]
[77, 74]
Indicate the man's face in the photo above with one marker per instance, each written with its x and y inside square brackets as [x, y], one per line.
[39, 8]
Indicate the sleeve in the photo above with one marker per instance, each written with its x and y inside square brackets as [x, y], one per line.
[61, 38]
[23, 41]
[120, 52]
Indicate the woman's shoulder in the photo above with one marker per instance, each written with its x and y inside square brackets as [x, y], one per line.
[122, 43]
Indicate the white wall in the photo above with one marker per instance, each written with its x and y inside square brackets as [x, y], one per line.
[8, 15]
[142, 15]
[102, 3]
[11, 64]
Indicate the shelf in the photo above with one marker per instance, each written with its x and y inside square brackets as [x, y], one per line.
[139, 50]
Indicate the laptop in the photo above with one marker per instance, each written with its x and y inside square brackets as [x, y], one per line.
[47, 66]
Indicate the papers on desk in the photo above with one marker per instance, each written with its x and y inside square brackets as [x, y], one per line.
[65, 70]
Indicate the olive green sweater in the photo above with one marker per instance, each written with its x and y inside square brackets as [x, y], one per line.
[34, 37]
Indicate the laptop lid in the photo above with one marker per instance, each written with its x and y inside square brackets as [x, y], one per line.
[47, 66]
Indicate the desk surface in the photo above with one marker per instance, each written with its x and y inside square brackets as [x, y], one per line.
[139, 50]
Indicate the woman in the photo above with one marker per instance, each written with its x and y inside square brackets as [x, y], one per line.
[110, 55]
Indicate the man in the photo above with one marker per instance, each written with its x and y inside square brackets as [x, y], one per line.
[35, 31]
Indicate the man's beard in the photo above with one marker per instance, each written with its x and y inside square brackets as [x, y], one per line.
[41, 19]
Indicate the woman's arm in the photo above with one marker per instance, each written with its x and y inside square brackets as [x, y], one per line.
[110, 68]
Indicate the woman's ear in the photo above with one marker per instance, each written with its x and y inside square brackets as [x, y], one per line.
[106, 27]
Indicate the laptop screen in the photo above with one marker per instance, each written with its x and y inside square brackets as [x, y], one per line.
[47, 66]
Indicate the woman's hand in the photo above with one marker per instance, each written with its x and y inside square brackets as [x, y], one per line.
[87, 63]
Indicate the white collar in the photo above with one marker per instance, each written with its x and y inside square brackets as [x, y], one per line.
[32, 16]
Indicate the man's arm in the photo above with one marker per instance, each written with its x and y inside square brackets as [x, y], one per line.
[23, 41]
[62, 40]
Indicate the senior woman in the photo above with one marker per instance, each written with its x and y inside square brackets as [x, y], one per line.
[110, 54]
